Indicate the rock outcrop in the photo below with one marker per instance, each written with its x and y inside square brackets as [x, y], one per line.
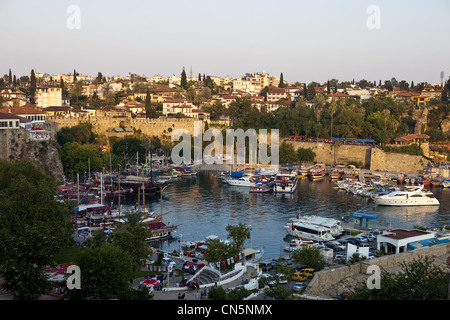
[17, 144]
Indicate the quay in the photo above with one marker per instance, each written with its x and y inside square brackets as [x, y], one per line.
[171, 286]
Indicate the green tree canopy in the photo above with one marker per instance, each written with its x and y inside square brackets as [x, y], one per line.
[28, 253]
[28, 198]
[310, 256]
[105, 271]
[419, 280]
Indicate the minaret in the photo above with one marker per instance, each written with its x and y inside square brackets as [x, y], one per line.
[191, 73]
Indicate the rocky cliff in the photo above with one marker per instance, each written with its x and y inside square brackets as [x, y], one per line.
[17, 144]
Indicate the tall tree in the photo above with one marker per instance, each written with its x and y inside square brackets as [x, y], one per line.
[99, 78]
[74, 75]
[106, 271]
[281, 84]
[183, 82]
[32, 89]
[10, 79]
[24, 270]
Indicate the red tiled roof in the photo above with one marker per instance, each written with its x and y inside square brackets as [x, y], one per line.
[408, 94]
[399, 234]
[26, 109]
[338, 95]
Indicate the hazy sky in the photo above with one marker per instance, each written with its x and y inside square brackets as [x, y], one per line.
[306, 40]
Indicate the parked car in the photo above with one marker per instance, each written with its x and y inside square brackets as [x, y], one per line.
[298, 286]
[362, 239]
[266, 265]
[274, 262]
[340, 258]
[300, 267]
[341, 246]
[370, 236]
[333, 246]
[192, 267]
[303, 274]
[286, 260]
[168, 261]
[279, 278]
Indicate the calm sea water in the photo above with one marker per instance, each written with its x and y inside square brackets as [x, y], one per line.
[203, 206]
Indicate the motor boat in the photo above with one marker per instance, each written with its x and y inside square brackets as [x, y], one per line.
[308, 231]
[334, 225]
[410, 196]
[317, 172]
[261, 187]
[286, 182]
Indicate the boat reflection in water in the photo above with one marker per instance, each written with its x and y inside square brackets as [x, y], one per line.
[415, 215]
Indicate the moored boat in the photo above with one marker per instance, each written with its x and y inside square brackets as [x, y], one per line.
[308, 231]
[304, 169]
[318, 171]
[411, 196]
[333, 225]
[285, 182]
[261, 188]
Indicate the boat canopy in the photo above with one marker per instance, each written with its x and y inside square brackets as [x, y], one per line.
[156, 225]
[237, 174]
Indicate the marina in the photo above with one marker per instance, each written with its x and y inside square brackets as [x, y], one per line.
[201, 205]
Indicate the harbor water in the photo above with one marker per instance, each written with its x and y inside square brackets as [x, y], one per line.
[204, 206]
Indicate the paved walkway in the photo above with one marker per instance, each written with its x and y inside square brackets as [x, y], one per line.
[192, 294]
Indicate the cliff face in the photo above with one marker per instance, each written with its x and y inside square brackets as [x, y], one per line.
[17, 145]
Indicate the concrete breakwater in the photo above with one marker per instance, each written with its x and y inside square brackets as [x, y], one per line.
[372, 158]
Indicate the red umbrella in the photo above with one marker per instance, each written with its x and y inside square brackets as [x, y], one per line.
[150, 282]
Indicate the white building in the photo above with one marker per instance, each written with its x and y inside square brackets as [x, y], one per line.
[397, 240]
[48, 96]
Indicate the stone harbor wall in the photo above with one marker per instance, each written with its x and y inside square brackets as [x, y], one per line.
[372, 158]
[396, 162]
[152, 127]
[340, 154]
[337, 280]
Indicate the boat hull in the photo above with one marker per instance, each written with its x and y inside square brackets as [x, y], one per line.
[405, 203]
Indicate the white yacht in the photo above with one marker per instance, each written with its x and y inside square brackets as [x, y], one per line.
[247, 180]
[334, 225]
[411, 196]
[285, 182]
[308, 231]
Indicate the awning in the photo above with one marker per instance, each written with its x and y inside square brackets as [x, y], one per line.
[156, 225]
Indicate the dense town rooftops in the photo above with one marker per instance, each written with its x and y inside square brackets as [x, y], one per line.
[26, 109]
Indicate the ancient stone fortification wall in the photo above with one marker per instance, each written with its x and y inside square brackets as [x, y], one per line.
[371, 157]
[158, 127]
[342, 154]
[326, 278]
[396, 162]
